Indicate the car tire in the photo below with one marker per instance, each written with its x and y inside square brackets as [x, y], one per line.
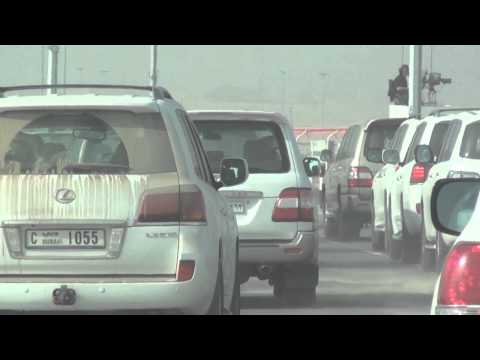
[235, 306]
[305, 296]
[440, 253]
[330, 228]
[411, 246]
[387, 234]
[428, 255]
[348, 228]
[394, 246]
[217, 307]
[377, 237]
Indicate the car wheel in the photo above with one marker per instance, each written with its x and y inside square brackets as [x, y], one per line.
[441, 252]
[348, 228]
[330, 228]
[235, 306]
[410, 245]
[387, 236]
[377, 237]
[216, 308]
[297, 296]
[428, 255]
[394, 246]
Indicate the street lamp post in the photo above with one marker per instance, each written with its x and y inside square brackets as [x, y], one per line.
[324, 77]
[284, 90]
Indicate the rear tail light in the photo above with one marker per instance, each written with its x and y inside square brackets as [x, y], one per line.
[186, 268]
[14, 243]
[419, 174]
[360, 177]
[172, 205]
[460, 280]
[294, 204]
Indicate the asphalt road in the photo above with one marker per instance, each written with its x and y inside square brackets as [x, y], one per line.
[353, 281]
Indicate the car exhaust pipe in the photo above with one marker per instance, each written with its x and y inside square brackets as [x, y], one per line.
[264, 272]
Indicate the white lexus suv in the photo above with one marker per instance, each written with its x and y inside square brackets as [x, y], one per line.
[276, 208]
[108, 204]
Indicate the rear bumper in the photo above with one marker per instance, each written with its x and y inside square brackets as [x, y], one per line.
[303, 248]
[27, 295]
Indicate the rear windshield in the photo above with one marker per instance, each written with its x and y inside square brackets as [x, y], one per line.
[471, 142]
[260, 143]
[380, 135]
[84, 142]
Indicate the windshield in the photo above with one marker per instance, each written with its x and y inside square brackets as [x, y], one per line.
[260, 143]
[57, 142]
[379, 136]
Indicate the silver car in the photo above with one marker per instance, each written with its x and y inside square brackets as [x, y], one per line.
[108, 204]
[276, 208]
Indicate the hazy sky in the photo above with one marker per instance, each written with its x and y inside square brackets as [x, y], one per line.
[260, 77]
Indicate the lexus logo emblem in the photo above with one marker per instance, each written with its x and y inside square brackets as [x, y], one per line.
[65, 196]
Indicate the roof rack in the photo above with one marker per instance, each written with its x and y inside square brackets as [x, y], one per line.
[440, 112]
[159, 93]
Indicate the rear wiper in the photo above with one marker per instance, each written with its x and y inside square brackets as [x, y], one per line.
[95, 168]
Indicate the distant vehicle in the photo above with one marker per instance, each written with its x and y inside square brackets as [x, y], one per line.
[312, 141]
[405, 199]
[456, 211]
[276, 208]
[348, 179]
[392, 157]
[459, 157]
[108, 204]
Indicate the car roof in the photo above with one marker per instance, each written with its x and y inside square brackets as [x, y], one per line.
[368, 123]
[232, 115]
[91, 101]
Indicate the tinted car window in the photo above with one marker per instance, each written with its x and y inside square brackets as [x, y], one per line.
[450, 140]
[343, 145]
[471, 142]
[438, 136]
[350, 143]
[260, 143]
[415, 141]
[399, 137]
[379, 135]
[87, 142]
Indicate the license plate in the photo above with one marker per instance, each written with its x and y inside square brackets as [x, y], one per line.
[65, 239]
[238, 207]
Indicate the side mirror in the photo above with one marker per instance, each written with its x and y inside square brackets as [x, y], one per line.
[326, 156]
[233, 171]
[390, 156]
[313, 167]
[374, 155]
[424, 154]
[453, 203]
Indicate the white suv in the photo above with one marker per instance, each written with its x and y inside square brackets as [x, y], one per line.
[459, 158]
[276, 208]
[382, 181]
[108, 204]
[405, 211]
